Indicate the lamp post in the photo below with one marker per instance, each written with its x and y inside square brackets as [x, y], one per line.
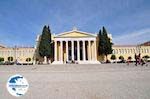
[15, 53]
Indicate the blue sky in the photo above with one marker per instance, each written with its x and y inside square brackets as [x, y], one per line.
[22, 20]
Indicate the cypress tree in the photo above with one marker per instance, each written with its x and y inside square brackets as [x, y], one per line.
[105, 45]
[45, 48]
[100, 43]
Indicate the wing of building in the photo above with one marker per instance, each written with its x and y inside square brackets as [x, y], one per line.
[130, 51]
[17, 53]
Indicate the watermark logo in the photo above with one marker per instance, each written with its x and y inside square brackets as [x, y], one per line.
[17, 85]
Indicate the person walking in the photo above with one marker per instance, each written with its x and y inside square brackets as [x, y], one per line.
[128, 61]
[139, 59]
[135, 56]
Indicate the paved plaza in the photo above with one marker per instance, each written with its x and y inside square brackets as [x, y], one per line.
[70, 81]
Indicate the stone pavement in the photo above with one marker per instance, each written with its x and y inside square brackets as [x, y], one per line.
[101, 81]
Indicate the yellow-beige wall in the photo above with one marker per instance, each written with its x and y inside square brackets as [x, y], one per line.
[17, 53]
[128, 51]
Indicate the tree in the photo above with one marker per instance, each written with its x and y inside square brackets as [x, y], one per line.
[10, 58]
[45, 48]
[129, 58]
[28, 59]
[113, 57]
[105, 44]
[1, 59]
[146, 57]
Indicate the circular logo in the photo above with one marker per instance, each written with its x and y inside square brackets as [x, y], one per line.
[17, 85]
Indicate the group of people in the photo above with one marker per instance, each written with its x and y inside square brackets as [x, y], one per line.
[139, 60]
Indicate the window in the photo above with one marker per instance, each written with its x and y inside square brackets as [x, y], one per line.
[119, 51]
[122, 51]
[113, 52]
[133, 50]
[147, 51]
[130, 50]
[142, 51]
[116, 51]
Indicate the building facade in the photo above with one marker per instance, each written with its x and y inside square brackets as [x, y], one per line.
[19, 54]
[82, 47]
[130, 51]
[77, 46]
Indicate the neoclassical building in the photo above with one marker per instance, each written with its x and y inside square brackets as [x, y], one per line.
[74, 45]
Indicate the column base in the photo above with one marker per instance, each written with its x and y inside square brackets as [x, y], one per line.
[58, 62]
[89, 62]
[78, 62]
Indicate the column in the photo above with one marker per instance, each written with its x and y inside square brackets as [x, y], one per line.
[55, 50]
[78, 51]
[61, 50]
[92, 58]
[95, 54]
[67, 50]
[89, 52]
[72, 49]
[83, 50]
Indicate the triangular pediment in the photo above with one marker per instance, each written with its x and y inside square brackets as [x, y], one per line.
[74, 34]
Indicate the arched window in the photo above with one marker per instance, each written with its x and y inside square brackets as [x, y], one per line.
[147, 51]
[113, 52]
[22, 53]
[122, 51]
[131, 51]
[8, 53]
[2, 53]
[119, 51]
[142, 51]
[116, 51]
[128, 51]
[125, 51]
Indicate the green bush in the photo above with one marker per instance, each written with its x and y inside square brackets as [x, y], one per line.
[146, 57]
[10, 58]
[1, 59]
[121, 57]
[129, 57]
[28, 59]
[113, 57]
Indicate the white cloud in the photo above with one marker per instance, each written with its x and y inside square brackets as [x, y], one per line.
[136, 37]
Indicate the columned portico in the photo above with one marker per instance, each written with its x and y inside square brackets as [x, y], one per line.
[70, 47]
